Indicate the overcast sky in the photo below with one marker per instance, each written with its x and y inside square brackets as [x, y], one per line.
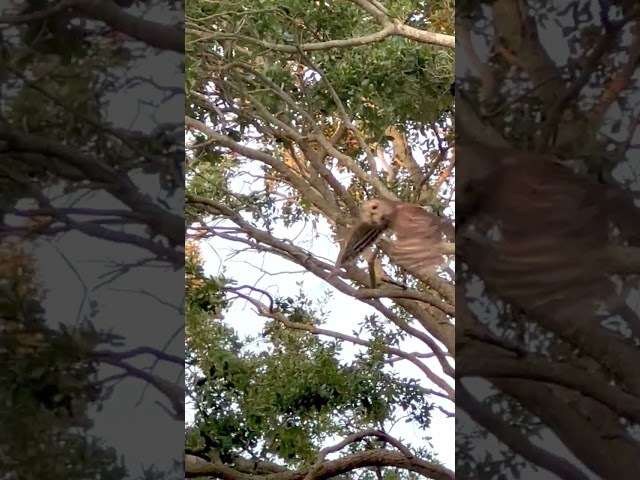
[345, 312]
[145, 306]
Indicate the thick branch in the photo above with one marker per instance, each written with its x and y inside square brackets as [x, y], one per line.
[331, 468]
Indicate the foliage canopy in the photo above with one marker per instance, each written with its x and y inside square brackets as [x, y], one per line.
[296, 113]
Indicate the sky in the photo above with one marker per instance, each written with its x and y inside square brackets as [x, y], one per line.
[344, 312]
[344, 315]
[144, 306]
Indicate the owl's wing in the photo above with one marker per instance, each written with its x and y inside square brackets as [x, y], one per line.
[361, 237]
[554, 229]
[419, 237]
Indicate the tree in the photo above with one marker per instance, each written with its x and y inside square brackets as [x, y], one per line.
[63, 159]
[548, 316]
[297, 113]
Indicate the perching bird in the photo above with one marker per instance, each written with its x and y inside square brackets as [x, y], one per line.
[419, 235]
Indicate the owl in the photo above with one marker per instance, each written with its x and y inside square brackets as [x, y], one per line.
[418, 235]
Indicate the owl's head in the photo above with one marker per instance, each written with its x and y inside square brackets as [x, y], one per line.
[376, 212]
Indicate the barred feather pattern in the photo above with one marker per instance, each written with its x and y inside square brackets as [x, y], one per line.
[554, 231]
[419, 235]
